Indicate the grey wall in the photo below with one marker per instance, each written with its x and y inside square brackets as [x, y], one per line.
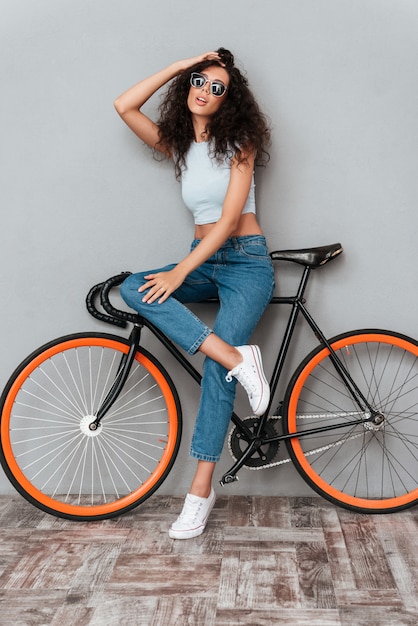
[82, 199]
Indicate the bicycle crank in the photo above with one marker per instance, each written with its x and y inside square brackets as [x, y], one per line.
[264, 454]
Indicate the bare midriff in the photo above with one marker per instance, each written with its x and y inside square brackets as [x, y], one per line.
[247, 225]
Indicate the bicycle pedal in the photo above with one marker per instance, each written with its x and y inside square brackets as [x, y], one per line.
[228, 479]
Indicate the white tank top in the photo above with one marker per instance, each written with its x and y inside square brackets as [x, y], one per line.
[204, 183]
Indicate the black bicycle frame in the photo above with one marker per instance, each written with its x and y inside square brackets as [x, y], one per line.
[255, 439]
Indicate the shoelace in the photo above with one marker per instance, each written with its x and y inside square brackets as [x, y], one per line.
[190, 511]
[243, 378]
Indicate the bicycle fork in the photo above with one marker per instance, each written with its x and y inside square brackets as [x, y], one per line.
[121, 377]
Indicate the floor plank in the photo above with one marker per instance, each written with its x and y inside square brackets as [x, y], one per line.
[262, 560]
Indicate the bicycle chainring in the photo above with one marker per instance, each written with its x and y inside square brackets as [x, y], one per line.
[265, 454]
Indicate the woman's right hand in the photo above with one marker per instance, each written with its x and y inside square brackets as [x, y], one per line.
[206, 56]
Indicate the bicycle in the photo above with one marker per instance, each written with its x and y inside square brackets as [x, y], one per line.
[91, 422]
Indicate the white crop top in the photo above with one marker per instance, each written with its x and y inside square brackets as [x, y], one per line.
[204, 183]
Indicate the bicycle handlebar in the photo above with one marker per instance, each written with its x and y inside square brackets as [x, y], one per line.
[112, 316]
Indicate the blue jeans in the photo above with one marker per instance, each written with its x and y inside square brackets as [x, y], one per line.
[241, 275]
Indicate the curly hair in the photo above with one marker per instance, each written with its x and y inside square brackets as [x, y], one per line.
[237, 128]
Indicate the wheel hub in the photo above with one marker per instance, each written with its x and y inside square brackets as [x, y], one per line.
[85, 426]
[376, 423]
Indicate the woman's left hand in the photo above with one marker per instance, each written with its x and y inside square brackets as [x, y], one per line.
[161, 285]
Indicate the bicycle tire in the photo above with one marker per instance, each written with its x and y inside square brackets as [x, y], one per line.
[364, 468]
[47, 450]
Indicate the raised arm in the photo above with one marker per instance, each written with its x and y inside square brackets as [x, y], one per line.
[129, 104]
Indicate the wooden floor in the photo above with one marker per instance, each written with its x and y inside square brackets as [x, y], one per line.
[262, 561]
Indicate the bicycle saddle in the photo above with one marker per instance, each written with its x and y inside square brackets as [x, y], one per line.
[310, 257]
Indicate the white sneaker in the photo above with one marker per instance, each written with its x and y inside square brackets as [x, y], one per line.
[251, 376]
[192, 520]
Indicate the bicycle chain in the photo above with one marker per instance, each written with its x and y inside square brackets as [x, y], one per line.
[288, 460]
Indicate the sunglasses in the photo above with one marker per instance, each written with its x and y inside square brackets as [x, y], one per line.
[217, 88]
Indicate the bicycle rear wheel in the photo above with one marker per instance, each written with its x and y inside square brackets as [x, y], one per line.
[366, 467]
[47, 449]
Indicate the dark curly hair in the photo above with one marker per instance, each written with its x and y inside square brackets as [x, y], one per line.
[237, 128]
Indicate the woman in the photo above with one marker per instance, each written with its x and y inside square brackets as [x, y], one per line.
[212, 129]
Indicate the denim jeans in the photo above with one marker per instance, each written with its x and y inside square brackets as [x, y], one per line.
[241, 275]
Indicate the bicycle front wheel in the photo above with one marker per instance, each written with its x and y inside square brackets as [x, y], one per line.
[366, 467]
[49, 452]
